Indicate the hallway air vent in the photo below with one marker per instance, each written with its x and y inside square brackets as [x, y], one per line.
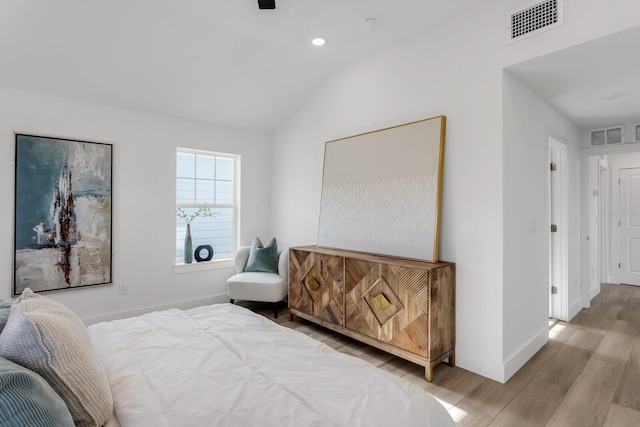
[606, 136]
[535, 19]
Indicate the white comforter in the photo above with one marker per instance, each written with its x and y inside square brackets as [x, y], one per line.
[224, 365]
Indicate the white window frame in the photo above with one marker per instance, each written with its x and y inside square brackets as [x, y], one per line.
[606, 136]
[216, 262]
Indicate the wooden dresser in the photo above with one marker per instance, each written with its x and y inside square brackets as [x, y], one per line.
[402, 306]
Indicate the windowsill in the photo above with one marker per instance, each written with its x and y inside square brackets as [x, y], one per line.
[215, 264]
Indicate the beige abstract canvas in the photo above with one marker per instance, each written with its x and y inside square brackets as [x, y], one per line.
[381, 191]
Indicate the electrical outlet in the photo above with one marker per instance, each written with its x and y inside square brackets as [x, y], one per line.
[123, 288]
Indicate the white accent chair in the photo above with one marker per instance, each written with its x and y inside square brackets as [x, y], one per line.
[259, 286]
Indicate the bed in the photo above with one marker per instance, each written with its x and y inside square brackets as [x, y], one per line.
[218, 365]
[225, 365]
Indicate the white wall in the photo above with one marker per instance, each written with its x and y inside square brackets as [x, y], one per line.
[143, 198]
[528, 124]
[455, 70]
[418, 80]
[593, 220]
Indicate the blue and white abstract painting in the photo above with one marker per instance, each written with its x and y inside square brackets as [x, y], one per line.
[62, 213]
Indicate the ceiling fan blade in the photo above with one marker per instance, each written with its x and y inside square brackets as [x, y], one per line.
[267, 4]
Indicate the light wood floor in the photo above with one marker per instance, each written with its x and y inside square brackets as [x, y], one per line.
[588, 374]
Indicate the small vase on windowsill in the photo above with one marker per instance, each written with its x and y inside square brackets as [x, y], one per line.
[188, 216]
[188, 246]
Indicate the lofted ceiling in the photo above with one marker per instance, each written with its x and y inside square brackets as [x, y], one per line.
[230, 63]
[594, 84]
[224, 62]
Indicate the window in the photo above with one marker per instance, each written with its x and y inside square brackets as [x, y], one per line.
[207, 179]
[606, 136]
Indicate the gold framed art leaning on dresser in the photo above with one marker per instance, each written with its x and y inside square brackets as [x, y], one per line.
[403, 306]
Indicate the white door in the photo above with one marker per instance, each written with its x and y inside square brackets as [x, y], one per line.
[558, 255]
[630, 226]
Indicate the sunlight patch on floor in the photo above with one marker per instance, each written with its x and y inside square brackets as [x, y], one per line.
[556, 330]
[448, 406]
[457, 414]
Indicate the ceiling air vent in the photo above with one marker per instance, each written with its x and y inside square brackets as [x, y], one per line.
[534, 19]
[607, 136]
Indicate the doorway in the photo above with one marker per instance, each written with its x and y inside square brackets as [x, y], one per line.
[614, 217]
[629, 226]
[558, 230]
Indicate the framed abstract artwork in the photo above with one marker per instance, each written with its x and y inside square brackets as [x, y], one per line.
[63, 214]
[381, 191]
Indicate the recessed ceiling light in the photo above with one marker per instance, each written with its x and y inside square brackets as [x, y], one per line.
[318, 41]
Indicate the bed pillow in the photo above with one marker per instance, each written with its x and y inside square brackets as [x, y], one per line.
[263, 258]
[26, 399]
[5, 309]
[47, 338]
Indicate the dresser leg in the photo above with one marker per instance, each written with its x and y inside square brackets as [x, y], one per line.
[290, 316]
[428, 372]
[452, 359]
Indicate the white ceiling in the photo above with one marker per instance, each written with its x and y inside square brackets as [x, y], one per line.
[227, 62]
[595, 84]
[224, 62]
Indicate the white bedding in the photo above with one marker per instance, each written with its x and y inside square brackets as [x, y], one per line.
[224, 365]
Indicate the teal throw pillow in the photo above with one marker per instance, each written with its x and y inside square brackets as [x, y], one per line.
[5, 309]
[263, 258]
[26, 399]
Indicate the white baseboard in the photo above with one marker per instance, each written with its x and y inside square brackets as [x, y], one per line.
[182, 305]
[480, 365]
[576, 307]
[498, 371]
[522, 355]
[594, 291]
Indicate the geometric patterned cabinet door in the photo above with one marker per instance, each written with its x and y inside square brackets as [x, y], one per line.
[405, 307]
[317, 285]
[389, 303]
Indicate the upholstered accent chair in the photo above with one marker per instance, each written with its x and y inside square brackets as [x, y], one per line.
[259, 286]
